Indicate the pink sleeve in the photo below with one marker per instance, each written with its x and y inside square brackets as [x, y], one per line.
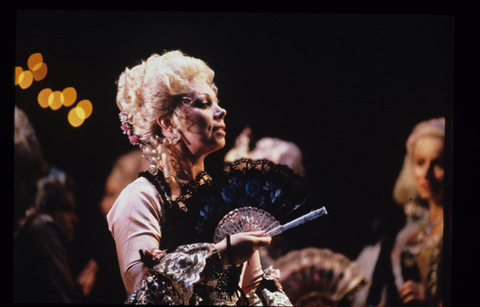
[134, 221]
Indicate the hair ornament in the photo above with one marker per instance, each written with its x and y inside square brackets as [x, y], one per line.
[127, 128]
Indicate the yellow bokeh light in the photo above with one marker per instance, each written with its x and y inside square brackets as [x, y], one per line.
[80, 112]
[34, 60]
[18, 71]
[69, 96]
[73, 118]
[55, 100]
[86, 106]
[39, 71]
[25, 79]
[43, 97]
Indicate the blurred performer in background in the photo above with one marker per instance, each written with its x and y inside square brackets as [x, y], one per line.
[409, 269]
[124, 171]
[42, 272]
[273, 149]
[29, 166]
[45, 227]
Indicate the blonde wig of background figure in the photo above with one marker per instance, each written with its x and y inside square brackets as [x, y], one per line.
[272, 149]
[404, 192]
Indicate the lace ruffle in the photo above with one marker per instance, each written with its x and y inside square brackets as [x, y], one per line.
[269, 292]
[171, 281]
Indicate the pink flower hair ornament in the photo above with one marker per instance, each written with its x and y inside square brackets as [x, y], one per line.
[127, 129]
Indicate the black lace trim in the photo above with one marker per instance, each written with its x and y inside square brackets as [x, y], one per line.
[191, 188]
[265, 166]
[178, 225]
[188, 190]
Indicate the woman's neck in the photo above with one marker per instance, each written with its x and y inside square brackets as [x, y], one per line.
[189, 172]
[436, 211]
[188, 167]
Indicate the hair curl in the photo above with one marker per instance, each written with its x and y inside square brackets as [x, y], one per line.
[147, 91]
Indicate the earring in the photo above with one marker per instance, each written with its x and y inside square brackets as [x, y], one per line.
[176, 136]
[153, 169]
[167, 141]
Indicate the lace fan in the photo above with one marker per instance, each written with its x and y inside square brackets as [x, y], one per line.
[247, 219]
[319, 277]
[244, 219]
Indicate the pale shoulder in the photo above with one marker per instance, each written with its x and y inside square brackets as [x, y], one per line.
[139, 185]
[138, 199]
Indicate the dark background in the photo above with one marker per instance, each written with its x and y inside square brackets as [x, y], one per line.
[346, 88]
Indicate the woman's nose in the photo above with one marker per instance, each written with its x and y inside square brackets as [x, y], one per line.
[220, 113]
[429, 171]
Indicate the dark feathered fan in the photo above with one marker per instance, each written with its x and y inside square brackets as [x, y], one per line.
[245, 182]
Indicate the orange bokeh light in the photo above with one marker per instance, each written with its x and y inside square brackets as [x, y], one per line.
[43, 97]
[69, 96]
[55, 100]
[40, 71]
[73, 118]
[87, 108]
[18, 71]
[34, 60]
[25, 79]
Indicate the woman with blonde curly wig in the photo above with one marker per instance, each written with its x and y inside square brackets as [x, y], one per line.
[408, 271]
[417, 256]
[169, 108]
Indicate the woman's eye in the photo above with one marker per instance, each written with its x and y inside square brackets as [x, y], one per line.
[202, 104]
[419, 162]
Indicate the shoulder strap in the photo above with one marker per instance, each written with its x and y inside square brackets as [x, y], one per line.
[159, 182]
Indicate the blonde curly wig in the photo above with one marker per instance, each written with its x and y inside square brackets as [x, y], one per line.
[405, 192]
[148, 90]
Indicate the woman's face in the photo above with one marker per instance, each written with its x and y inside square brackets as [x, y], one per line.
[428, 167]
[202, 126]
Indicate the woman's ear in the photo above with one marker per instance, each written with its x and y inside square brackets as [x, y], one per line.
[164, 122]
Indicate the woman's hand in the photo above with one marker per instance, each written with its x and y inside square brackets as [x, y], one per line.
[243, 246]
[87, 277]
[410, 291]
